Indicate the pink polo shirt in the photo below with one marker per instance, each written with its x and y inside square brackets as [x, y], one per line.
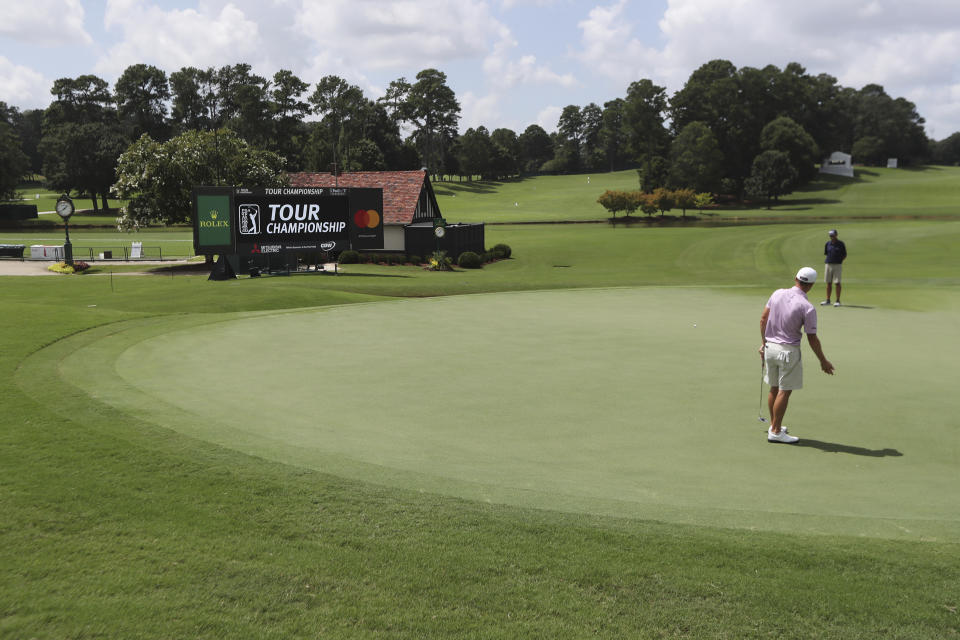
[789, 312]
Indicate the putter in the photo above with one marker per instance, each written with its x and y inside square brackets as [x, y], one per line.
[760, 411]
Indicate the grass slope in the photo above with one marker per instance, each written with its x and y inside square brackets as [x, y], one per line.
[873, 193]
[113, 526]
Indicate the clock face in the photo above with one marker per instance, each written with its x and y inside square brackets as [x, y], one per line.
[65, 208]
[439, 232]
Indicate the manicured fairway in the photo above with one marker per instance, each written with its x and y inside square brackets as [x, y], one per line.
[873, 193]
[637, 402]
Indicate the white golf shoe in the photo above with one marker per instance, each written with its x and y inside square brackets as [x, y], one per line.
[783, 436]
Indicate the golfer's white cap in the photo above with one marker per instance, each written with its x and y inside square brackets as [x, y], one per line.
[807, 275]
[832, 232]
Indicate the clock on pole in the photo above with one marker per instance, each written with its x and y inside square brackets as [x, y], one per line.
[65, 209]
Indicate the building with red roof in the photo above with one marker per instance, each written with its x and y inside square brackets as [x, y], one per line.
[408, 197]
[409, 210]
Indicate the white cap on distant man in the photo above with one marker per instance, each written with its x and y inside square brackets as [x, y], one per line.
[807, 275]
[832, 232]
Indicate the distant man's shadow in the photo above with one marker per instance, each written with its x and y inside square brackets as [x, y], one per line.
[833, 447]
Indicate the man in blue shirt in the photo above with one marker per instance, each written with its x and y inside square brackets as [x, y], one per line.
[836, 253]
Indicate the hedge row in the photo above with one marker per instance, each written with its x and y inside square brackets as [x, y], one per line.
[467, 259]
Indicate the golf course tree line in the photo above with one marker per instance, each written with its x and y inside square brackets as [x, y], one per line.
[721, 133]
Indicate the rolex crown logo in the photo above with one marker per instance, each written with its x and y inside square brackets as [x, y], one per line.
[214, 214]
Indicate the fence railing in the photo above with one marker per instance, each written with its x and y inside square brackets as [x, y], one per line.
[118, 253]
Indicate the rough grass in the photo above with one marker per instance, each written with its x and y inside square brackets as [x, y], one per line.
[111, 526]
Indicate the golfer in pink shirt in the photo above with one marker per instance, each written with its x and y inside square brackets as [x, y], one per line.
[787, 315]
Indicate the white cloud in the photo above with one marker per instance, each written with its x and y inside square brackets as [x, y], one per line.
[905, 47]
[549, 117]
[176, 38]
[479, 110]
[23, 87]
[45, 22]
[610, 48]
[879, 42]
[388, 35]
[504, 73]
[510, 4]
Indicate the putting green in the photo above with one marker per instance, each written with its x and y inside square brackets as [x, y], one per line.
[632, 402]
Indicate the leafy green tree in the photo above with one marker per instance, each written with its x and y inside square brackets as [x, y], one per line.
[569, 139]
[341, 106]
[29, 128]
[893, 121]
[431, 108]
[80, 100]
[947, 151]
[870, 150]
[141, 94]
[536, 148]
[382, 130]
[506, 158]
[245, 103]
[591, 152]
[663, 199]
[82, 138]
[643, 114]
[703, 200]
[653, 172]
[783, 134]
[196, 99]
[158, 178]
[695, 159]
[831, 114]
[14, 163]
[614, 201]
[289, 110]
[83, 158]
[647, 204]
[473, 152]
[612, 139]
[773, 175]
[685, 199]
[367, 156]
[712, 95]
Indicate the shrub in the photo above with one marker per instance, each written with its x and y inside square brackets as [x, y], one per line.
[440, 261]
[469, 260]
[350, 257]
[505, 248]
[414, 259]
[79, 266]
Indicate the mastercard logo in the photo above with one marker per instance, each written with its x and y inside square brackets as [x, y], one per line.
[366, 218]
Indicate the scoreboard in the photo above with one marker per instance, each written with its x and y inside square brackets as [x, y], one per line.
[247, 223]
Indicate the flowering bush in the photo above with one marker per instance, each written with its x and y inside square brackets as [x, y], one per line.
[62, 267]
[439, 261]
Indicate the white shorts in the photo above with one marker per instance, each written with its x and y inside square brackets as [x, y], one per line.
[833, 272]
[783, 367]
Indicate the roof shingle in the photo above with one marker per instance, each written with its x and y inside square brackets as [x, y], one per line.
[401, 189]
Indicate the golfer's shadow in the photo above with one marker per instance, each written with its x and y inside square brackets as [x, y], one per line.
[833, 447]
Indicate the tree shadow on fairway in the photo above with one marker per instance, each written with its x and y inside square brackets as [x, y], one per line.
[833, 447]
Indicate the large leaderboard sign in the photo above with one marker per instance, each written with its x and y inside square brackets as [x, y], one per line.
[249, 223]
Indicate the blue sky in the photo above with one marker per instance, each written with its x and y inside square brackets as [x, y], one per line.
[512, 63]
